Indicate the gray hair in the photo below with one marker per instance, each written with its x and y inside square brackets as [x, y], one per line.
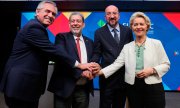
[41, 5]
[77, 13]
[141, 15]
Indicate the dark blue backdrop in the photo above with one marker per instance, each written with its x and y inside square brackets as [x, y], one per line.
[165, 27]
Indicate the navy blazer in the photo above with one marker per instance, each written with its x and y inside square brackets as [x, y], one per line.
[63, 80]
[26, 69]
[107, 49]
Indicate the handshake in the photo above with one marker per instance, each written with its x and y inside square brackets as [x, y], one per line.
[90, 70]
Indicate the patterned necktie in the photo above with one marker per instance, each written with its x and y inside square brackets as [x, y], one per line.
[116, 36]
[78, 48]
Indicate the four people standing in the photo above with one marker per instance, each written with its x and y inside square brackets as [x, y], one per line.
[145, 61]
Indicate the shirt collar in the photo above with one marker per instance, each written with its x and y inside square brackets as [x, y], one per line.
[117, 28]
[75, 37]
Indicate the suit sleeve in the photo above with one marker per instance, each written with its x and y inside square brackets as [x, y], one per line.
[60, 41]
[97, 48]
[37, 37]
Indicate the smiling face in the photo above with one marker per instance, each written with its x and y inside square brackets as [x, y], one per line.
[46, 15]
[139, 27]
[112, 15]
[76, 24]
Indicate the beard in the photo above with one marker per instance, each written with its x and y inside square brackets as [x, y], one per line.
[112, 23]
[76, 32]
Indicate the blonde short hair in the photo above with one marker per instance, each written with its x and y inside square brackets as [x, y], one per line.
[141, 15]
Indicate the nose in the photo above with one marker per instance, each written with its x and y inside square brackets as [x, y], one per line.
[112, 16]
[75, 22]
[138, 26]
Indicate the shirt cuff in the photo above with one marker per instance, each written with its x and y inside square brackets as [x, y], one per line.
[76, 63]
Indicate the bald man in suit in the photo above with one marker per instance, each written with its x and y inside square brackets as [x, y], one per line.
[108, 43]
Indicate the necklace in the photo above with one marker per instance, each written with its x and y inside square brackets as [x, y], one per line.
[140, 44]
[140, 48]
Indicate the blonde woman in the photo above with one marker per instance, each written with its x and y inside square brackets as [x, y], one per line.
[145, 63]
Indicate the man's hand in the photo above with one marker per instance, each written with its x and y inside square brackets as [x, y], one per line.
[91, 69]
[95, 68]
[90, 66]
[85, 66]
[87, 74]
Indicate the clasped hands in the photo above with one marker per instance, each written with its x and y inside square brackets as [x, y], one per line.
[90, 70]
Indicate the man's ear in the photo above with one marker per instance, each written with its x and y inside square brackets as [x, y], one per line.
[37, 12]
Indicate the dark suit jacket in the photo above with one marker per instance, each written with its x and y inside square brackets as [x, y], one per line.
[106, 49]
[63, 80]
[26, 69]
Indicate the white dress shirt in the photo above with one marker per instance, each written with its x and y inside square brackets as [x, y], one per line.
[83, 49]
[83, 58]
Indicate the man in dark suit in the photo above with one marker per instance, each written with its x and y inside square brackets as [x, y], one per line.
[109, 41]
[25, 74]
[69, 91]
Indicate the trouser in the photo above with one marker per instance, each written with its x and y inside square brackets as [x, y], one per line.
[142, 95]
[112, 98]
[17, 103]
[78, 99]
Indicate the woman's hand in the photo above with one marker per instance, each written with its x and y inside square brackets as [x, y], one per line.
[145, 73]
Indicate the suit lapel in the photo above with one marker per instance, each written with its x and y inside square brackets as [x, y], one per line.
[132, 55]
[122, 34]
[73, 43]
[86, 41]
[148, 52]
[109, 36]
